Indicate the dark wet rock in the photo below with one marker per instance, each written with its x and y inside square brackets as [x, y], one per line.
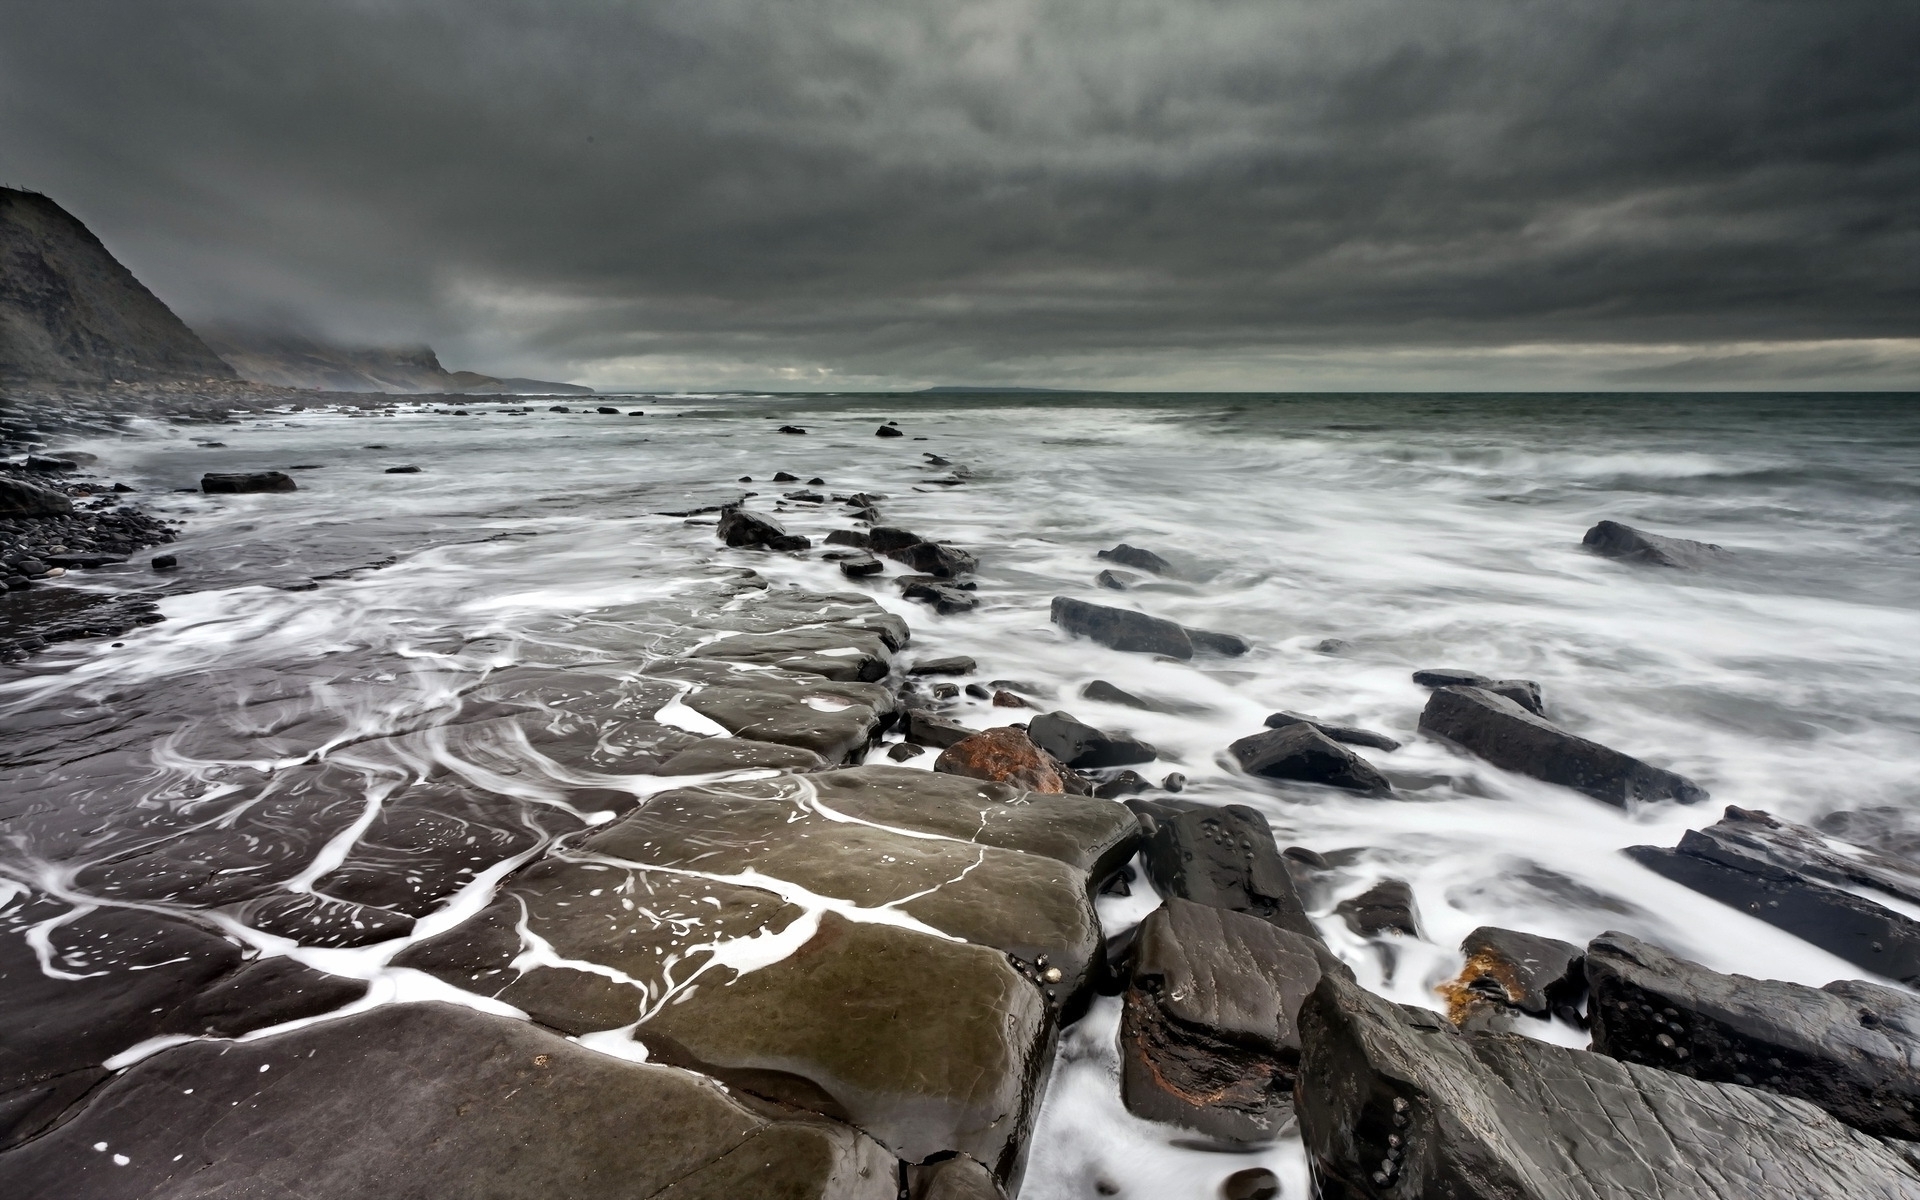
[1301, 753]
[1207, 1035]
[1386, 907]
[1174, 782]
[888, 431]
[559, 408]
[1207, 641]
[885, 539]
[739, 527]
[714, 755]
[979, 691]
[1395, 1102]
[929, 730]
[248, 481]
[1332, 646]
[861, 566]
[1508, 736]
[945, 691]
[1125, 783]
[1106, 693]
[130, 975]
[1852, 1047]
[805, 497]
[1524, 692]
[1138, 559]
[945, 597]
[1002, 755]
[1121, 628]
[934, 558]
[957, 1178]
[405, 470]
[1003, 698]
[902, 751]
[847, 537]
[1253, 1183]
[954, 664]
[52, 466]
[1610, 539]
[816, 481]
[1115, 581]
[1083, 747]
[785, 477]
[793, 429]
[1784, 875]
[467, 1105]
[1221, 856]
[1510, 970]
[19, 498]
[1349, 734]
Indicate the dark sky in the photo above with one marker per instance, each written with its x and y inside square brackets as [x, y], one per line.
[857, 193]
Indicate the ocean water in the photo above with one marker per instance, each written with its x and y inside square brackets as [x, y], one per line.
[1414, 531]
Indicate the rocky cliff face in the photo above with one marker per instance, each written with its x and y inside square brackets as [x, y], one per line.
[284, 360]
[70, 312]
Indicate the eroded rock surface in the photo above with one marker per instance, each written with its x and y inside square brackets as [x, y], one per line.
[1396, 1103]
[1220, 856]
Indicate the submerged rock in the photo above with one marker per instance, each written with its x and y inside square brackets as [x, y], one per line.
[1224, 857]
[1106, 693]
[1138, 559]
[1349, 734]
[1081, 746]
[467, 1104]
[1508, 736]
[715, 755]
[1207, 1034]
[934, 558]
[1121, 629]
[1301, 753]
[1395, 1102]
[1115, 581]
[1786, 876]
[1610, 539]
[1852, 1047]
[1210, 642]
[249, 481]
[1003, 755]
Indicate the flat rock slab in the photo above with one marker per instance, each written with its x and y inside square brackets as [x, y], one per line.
[1508, 736]
[248, 481]
[877, 944]
[1223, 856]
[1610, 539]
[1782, 874]
[1207, 1034]
[1301, 753]
[1852, 1047]
[831, 652]
[834, 720]
[430, 1100]
[716, 755]
[1395, 1102]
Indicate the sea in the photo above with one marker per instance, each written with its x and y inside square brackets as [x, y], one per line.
[1351, 539]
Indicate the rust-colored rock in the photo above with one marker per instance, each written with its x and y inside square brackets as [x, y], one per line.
[1003, 755]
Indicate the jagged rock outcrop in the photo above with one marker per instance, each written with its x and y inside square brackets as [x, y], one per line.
[70, 311]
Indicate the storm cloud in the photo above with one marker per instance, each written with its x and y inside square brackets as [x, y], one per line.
[889, 193]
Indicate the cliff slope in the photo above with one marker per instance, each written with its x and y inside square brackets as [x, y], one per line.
[69, 311]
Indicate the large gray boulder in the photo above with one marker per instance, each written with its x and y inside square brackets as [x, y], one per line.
[1394, 1102]
[1508, 736]
[1852, 1047]
[1121, 628]
[1207, 1034]
[431, 1100]
[1787, 876]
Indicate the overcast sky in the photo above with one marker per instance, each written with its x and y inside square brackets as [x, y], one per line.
[1096, 193]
